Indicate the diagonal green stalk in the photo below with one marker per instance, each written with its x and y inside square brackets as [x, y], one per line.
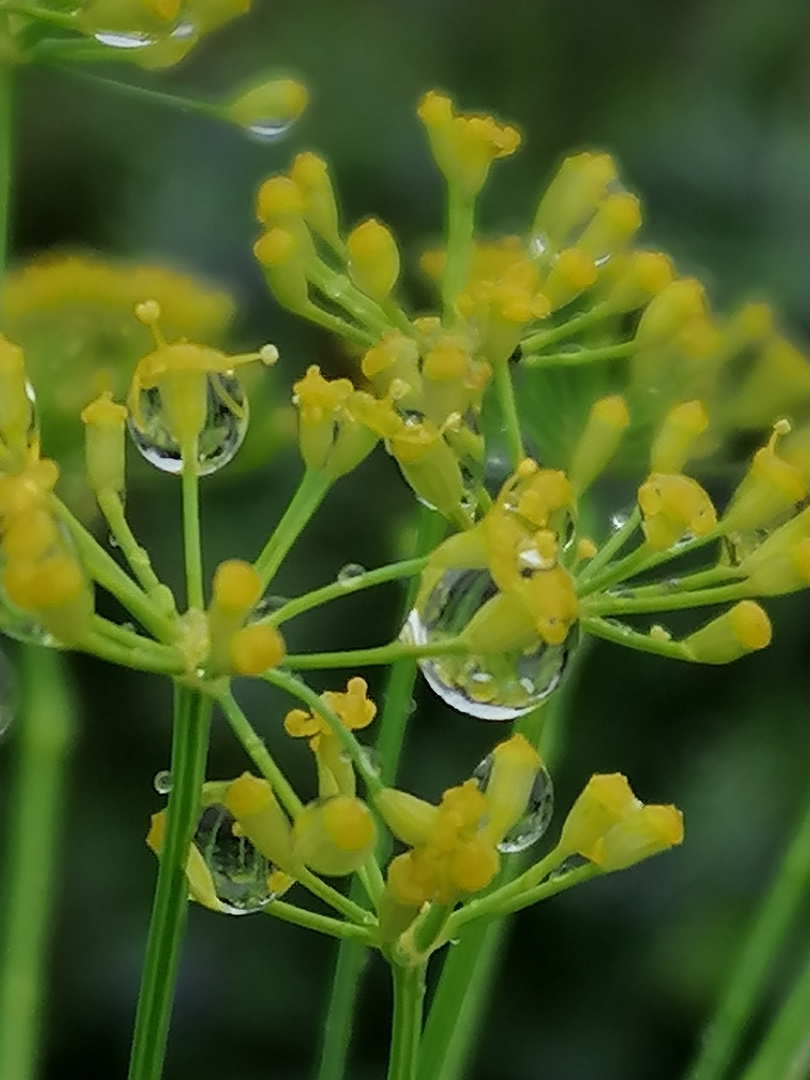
[311, 492]
[785, 1052]
[46, 725]
[766, 937]
[509, 413]
[352, 957]
[169, 910]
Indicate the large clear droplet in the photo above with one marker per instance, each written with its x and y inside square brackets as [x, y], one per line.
[349, 572]
[123, 39]
[498, 686]
[239, 871]
[222, 434]
[538, 813]
[163, 782]
[8, 695]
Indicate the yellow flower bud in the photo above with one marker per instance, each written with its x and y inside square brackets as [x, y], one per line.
[770, 488]
[278, 199]
[334, 837]
[268, 108]
[671, 311]
[279, 252]
[320, 207]
[673, 505]
[373, 258]
[409, 881]
[604, 802]
[781, 563]
[573, 196]
[673, 444]
[743, 629]
[255, 649]
[639, 276]
[515, 765]
[647, 832]
[410, 819]
[236, 586]
[779, 382]
[55, 590]
[607, 422]
[104, 443]
[612, 226]
[252, 803]
[571, 273]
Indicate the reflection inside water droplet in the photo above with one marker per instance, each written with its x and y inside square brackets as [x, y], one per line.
[222, 434]
[496, 686]
[349, 572]
[268, 129]
[123, 39]
[238, 870]
[163, 782]
[538, 813]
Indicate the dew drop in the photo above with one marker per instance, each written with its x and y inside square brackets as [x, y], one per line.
[123, 39]
[573, 862]
[222, 434]
[269, 129]
[8, 695]
[349, 572]
[111, 540]
[163, 782]
[183, 31]
[372, 757]
[267, 605]
[238, 870]
[496, 686]
[619, 519]
[538, 813]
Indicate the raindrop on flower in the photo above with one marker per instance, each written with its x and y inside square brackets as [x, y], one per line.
[538, 813]
[349, 572]
[8, 695]
[496, 686]
[123, 39]
[222, 434]
[269, 128]
[163, 782]
[238, 870]
[572, 862]
[267, 605]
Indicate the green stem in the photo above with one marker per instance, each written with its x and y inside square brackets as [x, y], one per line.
[138, 558]
[340, 289]
[106, 571]
[346, 906]
[46, 725]
[611, 547]
[543, 338]
[143, 93]
[409, 994]
[323, 924]
[766, 937]
[509, 414]
[643, 559]
[189, 751]
[311, 492]
[100, 644]
[620, 634]
[579, 357]
[379, 654]
[335, 325]
[460, 229]
[639, 605]
[717, 575]
[192, 547]
[258, 753]
[497, 906]
[393, 722]
[338, 589]
[785, 1052]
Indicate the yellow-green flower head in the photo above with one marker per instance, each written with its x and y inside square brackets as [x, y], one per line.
[672, 506]
[503, 306]
[373, 258]
[608, 419]
[336, 426]
[675, 441]
[633, 278]
[781, 563]
[464, 146]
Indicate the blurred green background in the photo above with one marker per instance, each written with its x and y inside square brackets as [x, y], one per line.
[706, 105]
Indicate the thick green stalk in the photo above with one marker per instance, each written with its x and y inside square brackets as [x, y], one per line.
[46, 724]
[169, 910]
[785, 1052]
[309, 496]
[455, 1018]
[409, 994]
[766, 937]
[352, 957]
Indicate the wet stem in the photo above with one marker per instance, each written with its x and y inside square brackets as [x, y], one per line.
[189, 751]
[192, 547]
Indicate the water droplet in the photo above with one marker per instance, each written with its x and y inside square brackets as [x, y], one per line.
[222, 434]
[573, 862]
[373, 760]
[239, 871]
[349, 572]
[163, 782]
[620, 519]
[267, 605]
[183, 31]
[8, 695]
[496, 686]
[123, 39]
[538, 813]
[411, 707]
[112, 541]
[269, 129]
